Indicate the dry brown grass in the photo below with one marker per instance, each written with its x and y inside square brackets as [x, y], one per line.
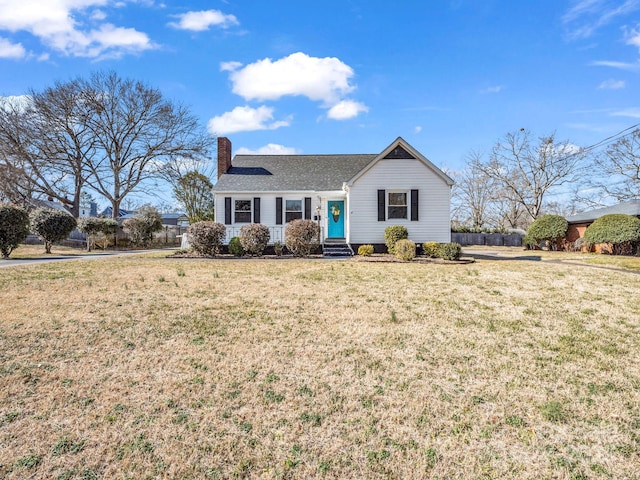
[158, 368]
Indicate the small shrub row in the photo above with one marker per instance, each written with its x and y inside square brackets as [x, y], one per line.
[51, 225]
[365, 250]
[468, 229]
[405, 249]
[95, 226]
[144, 223]
[621, 233]
[235, 247]
[254, 238]
[302, 237]
[14, 228]
[446, 251]
[550, 229]
[393, 234]
[206, 238]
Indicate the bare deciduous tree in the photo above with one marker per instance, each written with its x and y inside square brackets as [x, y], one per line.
[528, 171]
[44, 144]
[136, 131]
[472, 193]
[617, 169]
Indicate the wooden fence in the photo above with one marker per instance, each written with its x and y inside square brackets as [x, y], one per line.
[492, 239]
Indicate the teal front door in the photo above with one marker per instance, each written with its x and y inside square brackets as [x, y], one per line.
[336, 219]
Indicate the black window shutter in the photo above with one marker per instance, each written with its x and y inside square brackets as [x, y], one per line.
[278, 210]
[414, 205]
[227, 210]
[381, 206]
[256, 210]
[307, 208]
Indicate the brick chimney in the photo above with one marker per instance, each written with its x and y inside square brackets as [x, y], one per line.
[224, 155]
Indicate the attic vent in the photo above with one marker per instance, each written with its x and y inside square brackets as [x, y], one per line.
[399, 152]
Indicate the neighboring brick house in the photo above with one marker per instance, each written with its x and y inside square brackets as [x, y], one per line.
[578, 223]
[353, 197]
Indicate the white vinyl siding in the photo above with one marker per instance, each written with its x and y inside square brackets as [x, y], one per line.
[399, 175]
[267, 209]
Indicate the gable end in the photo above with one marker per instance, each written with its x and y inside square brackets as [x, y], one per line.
[398, 153]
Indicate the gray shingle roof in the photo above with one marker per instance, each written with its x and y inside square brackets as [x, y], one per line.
[266, 173]
[631, 207]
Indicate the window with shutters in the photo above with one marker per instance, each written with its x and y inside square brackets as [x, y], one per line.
[293, 210]
[242, 211]
[396, 204]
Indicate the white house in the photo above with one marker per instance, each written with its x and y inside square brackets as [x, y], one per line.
[352, 197]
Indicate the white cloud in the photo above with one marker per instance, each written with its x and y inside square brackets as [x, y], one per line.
[269, 149]
[633, 37]
[612, 84]
[585, 17]
[494, 89]
[319, 79]
[417, 129]
[11, 50]
[202, 20]
[15, 102]
[632, 67]
[244, 119]
[229, 66]
[326, 80]
[627, 112]
[346, 109]
[60, 25]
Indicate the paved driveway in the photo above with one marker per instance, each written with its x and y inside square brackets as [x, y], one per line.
[18, 262]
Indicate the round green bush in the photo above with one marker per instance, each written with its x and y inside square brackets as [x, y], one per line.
[550, 229]
[94, 226]
[14, 228]
[431, 249]
[51, 225]
[394, 233]
[301, 237]
[206, 238]
[405, 249]
[451, 251]
[620, 230]
[235, 247]
[365, 250]
[254, 238]
[144, 223]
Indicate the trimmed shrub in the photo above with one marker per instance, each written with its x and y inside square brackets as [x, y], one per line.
[394, 233]
[431, 249]
[254, 238]
[145, 222]
[302, 237]
[14, 228]
[550, 229]
[278, 248]
[51, 225]
[94, 226]
[621, 231]
[235, 247]
[365, 250]
[405, 249]
[450, 251]
[206, 238]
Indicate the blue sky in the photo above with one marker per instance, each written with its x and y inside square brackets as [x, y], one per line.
[349, 76]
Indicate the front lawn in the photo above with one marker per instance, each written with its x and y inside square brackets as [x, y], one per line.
[183, 368]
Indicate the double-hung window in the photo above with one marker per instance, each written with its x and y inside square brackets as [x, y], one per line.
[293, 210]
[242, 211]
[397, 205]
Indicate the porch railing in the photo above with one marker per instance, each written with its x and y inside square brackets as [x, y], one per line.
[276, 234]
